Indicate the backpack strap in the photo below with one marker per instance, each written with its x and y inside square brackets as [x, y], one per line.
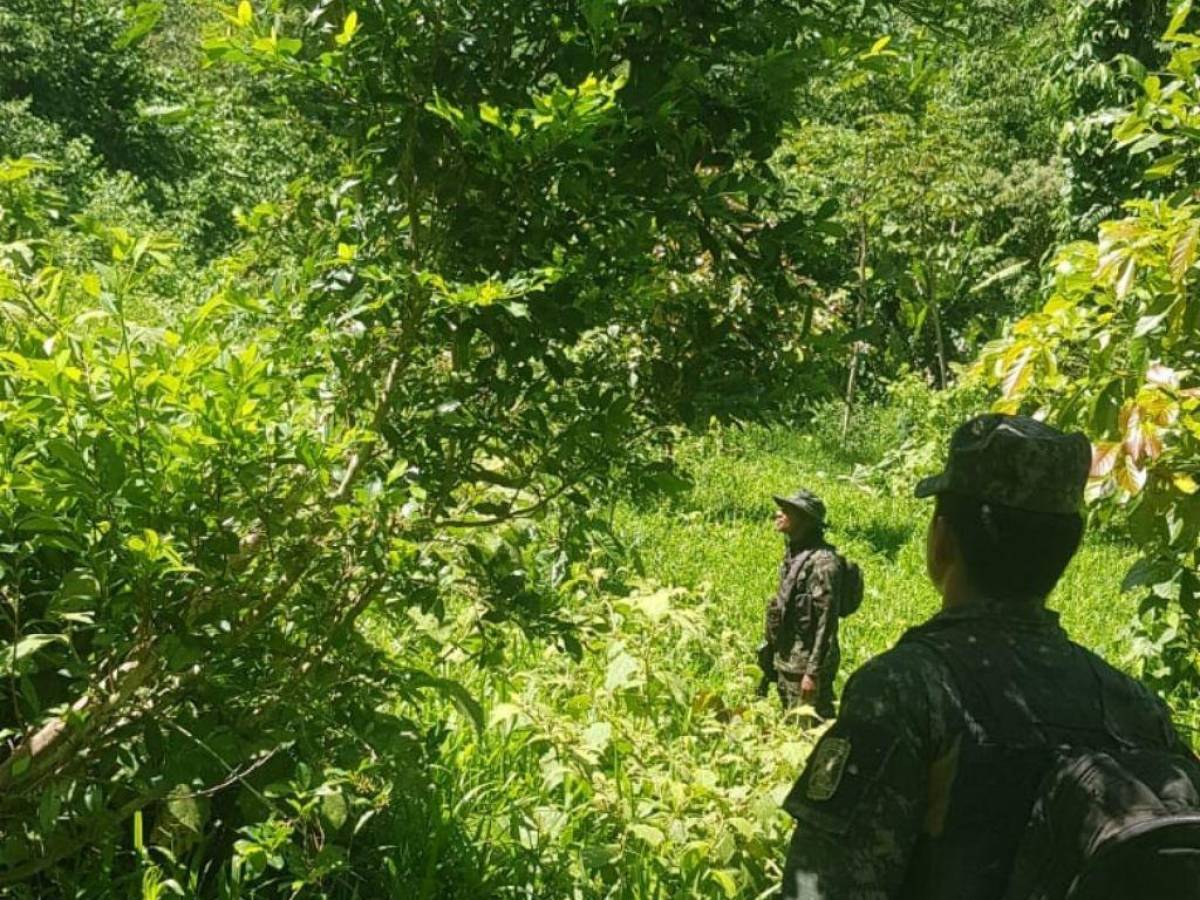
[993, 720]
[997, 716]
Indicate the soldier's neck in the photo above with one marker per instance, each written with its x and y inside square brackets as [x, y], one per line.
[957, 591]
[965, 597]
[806, 542]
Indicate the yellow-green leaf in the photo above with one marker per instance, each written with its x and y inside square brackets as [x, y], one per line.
[348, 29]
[647, 833]
[725, 878]
[11, 656]
[490, 114]
[1183, 254]
[1019, 374]
[1177, 20]
[245, 13]
[1125, 282]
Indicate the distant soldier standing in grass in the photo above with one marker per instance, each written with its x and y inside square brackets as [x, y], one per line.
[801, 651]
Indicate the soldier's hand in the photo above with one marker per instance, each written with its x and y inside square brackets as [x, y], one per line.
[808, 688]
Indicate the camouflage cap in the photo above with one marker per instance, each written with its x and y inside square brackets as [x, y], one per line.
[805, 502]
[1015, 461]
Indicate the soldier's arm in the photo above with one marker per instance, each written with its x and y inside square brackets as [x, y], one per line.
[862, 800]
[821, 590]
[777, 608]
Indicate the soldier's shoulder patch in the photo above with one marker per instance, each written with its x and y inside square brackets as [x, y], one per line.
[827, 766]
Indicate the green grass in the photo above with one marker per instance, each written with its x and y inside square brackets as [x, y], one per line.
[718, 537]
[649, 769]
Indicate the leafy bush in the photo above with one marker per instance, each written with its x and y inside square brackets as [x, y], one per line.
[1114, 353]
[195, 514]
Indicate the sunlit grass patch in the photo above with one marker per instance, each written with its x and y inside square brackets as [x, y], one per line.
[719, 535]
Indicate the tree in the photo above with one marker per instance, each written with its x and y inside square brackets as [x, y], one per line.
[940, 157]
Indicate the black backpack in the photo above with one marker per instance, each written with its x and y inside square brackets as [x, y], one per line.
[1112, 825]
[851, 596]
[1093, 817]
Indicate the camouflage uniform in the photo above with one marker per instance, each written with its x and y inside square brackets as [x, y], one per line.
[883, 830]
[802, 624]
[879, 813]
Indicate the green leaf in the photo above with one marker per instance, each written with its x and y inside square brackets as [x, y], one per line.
[656, 604]
[185, 811]
[649, 834]
[1183, 254]
[622, 672]
[490, 114]
[40, 522]
[1019, 374]
[334, 809]
[166, 113]
[79, 584]
[1131, 127]
[111, 463]
[145, 17]
[1000, 275]
[12, 657]
[1147, 324]
[1149, 142]
[1164, 167]
[453, 691]
[597, 736]
[1125, 280]
[1182, 10]
[727, 880]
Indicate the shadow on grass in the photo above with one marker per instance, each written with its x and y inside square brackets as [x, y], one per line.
[752, 510]
[884, 539]
[660, 484]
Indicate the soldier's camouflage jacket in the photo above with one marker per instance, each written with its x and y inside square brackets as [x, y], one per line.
[802, 618]
[874, 806]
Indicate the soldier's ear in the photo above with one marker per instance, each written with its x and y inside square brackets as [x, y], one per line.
[941, 549]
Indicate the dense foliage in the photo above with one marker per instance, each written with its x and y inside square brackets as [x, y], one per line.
[1114, 352]
[331, 336]
[942, 167]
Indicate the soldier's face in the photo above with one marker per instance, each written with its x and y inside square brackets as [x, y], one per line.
[796, 526]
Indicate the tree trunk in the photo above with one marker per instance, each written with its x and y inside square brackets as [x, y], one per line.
[859, 313]
[936, 314]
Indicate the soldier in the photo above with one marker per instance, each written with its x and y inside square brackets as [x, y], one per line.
[924, 786]
[801, 647]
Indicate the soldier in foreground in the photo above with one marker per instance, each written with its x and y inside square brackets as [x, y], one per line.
[986, 755]
[801, 651]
